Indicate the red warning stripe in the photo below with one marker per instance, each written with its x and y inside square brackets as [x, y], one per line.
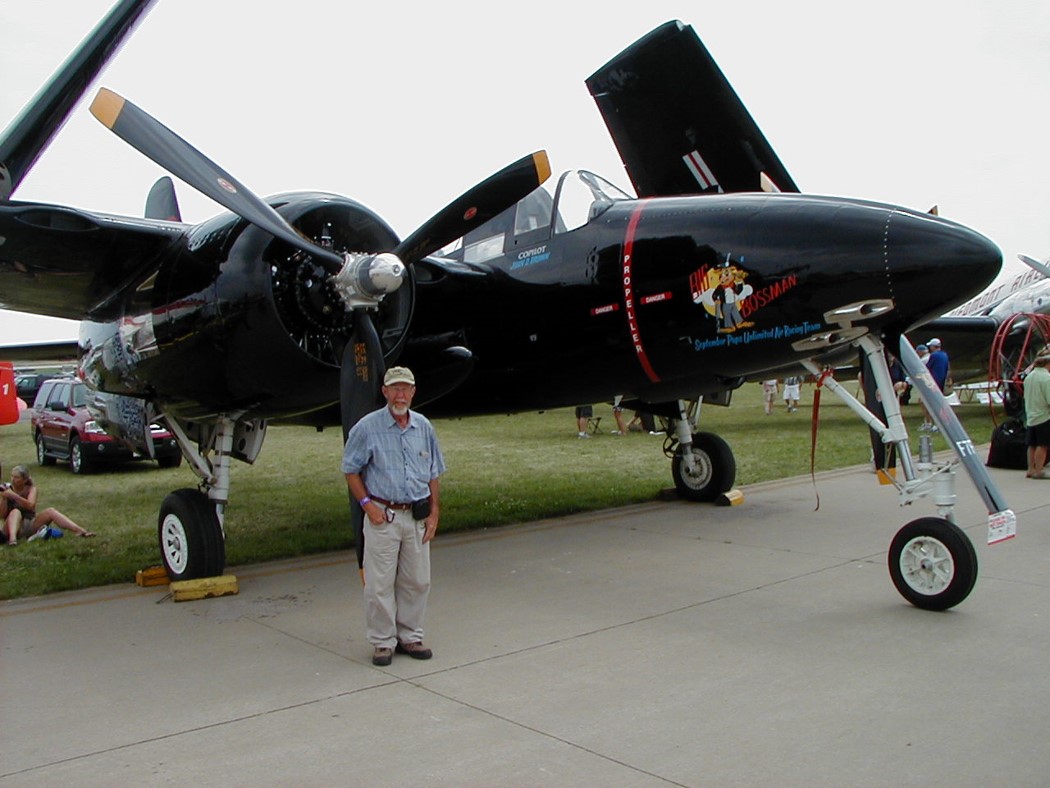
[629, 297]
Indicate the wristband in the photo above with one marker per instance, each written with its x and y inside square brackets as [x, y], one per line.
[365, 501]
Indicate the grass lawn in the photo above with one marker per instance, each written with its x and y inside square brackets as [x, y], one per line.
[502, 469]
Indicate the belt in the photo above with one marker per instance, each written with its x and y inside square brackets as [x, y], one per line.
[401, 507]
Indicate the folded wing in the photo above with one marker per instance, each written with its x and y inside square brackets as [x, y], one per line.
[679, 126]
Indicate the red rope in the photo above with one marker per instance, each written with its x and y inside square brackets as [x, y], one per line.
[813, 433]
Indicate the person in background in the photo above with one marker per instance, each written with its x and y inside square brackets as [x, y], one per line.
[583, 414]
[392, 463]
[792, 391]
[939, 364]
[20, 517]
[621, 428]
[1037, 416]
[940, 370]
[769, 393]
[643, 422]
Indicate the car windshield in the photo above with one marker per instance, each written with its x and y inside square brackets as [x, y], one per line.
[79, 395]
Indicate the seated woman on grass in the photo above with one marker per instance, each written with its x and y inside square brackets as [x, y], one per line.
[19, 514]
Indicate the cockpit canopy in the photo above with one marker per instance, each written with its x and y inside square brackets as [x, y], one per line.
[580, 197]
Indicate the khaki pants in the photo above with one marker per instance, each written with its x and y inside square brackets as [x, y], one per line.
[397, 580]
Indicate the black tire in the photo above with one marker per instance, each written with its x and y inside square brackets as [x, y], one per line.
[172, 461]
[933, 563]
[715, 469]
[77, 463]
[42, 457]
[191, 540]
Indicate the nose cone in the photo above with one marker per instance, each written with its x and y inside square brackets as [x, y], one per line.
[936, 264]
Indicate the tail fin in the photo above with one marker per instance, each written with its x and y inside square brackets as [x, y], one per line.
[8, 394]
[162, 202]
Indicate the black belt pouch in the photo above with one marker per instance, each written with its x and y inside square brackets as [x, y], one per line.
[421, 509]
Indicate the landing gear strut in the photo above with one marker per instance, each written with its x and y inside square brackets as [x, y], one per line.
[190, 525]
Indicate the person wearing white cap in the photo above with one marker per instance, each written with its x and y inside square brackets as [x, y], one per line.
[940, 369]
[1037, 416]
[938, 363]
[392, 464]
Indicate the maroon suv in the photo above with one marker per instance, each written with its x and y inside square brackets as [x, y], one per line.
[63, 429]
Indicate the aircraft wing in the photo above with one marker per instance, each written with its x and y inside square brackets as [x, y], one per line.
[678, 124]
[967, 340]
[41, 351]
[63, 262]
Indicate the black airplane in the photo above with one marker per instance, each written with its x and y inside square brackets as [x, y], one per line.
[717, 272]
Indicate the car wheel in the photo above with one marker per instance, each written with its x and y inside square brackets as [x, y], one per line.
[174, 461]
[42, 457]
[77, 463]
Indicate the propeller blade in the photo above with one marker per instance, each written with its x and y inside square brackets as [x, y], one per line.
[360, 376]
[1034, 264]
[488, 199]
[159, 143]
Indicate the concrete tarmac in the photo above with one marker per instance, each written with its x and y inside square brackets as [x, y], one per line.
[660, 644]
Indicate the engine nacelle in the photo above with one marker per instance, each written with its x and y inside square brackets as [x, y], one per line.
[257, 321]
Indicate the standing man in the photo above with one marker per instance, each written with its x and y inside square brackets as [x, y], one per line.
[940, 369]
[938, 364]
[769, 393]
[392, 462]
[1037, 416]
[792, 392]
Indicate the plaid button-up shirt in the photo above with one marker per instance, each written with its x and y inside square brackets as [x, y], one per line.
[395, 464]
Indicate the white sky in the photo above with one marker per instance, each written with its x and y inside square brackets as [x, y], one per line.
[404, 106]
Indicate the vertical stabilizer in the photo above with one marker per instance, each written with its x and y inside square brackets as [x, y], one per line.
[161, 203]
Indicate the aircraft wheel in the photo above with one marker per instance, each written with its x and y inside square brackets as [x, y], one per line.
[77, 463]
[42, 457]
[714, 471]
[933, 563]
[191, 540]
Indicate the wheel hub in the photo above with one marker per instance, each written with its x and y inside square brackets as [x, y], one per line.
[173, 543]
[927, 565]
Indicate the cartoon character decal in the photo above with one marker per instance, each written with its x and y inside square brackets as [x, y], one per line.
[723, 292]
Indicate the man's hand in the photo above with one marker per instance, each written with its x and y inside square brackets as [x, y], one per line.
[376, 514]
[430, 526]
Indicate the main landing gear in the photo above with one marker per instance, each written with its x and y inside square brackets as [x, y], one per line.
[190, 525]
[702, 463]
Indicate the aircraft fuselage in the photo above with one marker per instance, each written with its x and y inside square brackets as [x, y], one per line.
[653, 299]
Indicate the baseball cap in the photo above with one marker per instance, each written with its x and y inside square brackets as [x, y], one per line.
[920, 347]
[399, 375]
[934, 342]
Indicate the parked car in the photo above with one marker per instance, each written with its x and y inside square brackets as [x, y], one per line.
[63, 429]
[27, 384]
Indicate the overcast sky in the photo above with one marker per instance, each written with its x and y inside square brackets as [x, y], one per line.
[404, 106]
